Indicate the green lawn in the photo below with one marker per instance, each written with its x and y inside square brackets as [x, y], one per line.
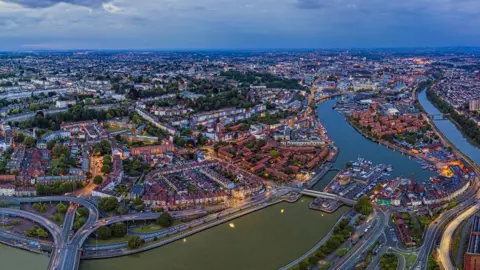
[148, 229]
[457, 237]
[153, 227]
[114, 129]
[411, 259]
[113, 240]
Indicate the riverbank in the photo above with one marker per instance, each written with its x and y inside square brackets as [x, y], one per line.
[353, 145]
[316, 246]
[266, 239]
[449, 133]
[389, 145]
[191, 231]
[469, 129]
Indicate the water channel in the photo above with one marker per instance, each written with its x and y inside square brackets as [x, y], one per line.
[450, 130]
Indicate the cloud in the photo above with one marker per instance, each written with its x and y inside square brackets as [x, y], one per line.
[310, 4]
[49, 3]
[181, 24]
[112, 8]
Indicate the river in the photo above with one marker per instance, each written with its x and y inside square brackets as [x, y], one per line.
[353, 145]
[13, 258]
[266, 239]
[450, 130]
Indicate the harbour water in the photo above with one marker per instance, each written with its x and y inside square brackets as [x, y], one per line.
[353, 145]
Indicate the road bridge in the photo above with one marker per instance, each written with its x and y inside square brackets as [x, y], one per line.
[319, 194]
[66, 254]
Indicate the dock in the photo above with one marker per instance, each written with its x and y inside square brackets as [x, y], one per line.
[325, 205]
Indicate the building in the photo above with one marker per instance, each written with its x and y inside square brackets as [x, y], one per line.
[64, 103]
[30, 191]
[152, 150]
[48, 180]
[56, 135]
[474, 105]
[7, 190]
[155, 121]
[471, 259]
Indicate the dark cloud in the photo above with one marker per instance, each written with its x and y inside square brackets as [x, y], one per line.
[310, 4]
[48, 3]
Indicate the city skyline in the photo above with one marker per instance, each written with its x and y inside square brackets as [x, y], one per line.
[244, 24]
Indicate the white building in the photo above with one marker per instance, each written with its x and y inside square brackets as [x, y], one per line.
[7, 190]
[64, 103]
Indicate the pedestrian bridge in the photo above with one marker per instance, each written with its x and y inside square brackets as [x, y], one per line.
[319, 194]
[438, 116]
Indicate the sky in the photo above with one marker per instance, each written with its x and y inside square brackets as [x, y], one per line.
[236, 24]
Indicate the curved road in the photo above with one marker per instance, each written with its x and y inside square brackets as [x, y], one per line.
[66, 256]
[444, 254]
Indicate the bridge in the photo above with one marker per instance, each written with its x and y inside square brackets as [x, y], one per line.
[66, 252]
[325, 195]
[438, 116]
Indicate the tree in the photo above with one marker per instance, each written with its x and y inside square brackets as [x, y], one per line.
[29, 141]
[274, 153]
[342, 251]
[119, 229]
[108, 204]
[20, 137]
[40, 207]
[122, 210]
[57, 217]
[97, 180]
[104, 232]
[79, 222]
[106, 168]
[135, 242]
[51, 144]
[61, 208]
[140, 207]
[59, 150]
[180, 141]
[102, 148]
[303, 265]
[36, 231]
[364, 206]
[138, 201]
[313, 260]
[82, 212]
[165, 220]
